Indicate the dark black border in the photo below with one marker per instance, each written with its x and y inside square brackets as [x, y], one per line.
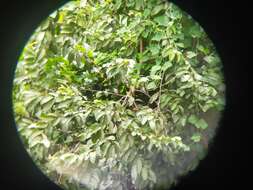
[226, 23]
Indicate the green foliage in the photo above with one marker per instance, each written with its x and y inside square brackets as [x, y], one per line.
[112, 85]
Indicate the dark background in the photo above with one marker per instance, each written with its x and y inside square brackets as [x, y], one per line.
[227, 24]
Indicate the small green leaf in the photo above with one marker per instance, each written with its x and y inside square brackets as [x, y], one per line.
[139, 4]
[155, 77]
[90, 54]
[69, 139]
[153, 97]
[92, 156]
[152, 176]
[185, 78]
[138, 165]
[157, 9]
[146, 13]
[144, 119]
[47, 106]
[143, 79]
[151, 86]
[211, 59]
[144, 173]
[193, 119]
[112, 138]
[195, 31]
[83, 3]
[118, 4]
[98, 114]
[154, 49]
[45, 100]
[155, 69]
[131, 100]
[183, 120]
[162, 20]
[171, 54]
[134, 172]
[166, 65]
[190, 54]
[196, 137]
[158, 36]
[199, 123]
[152, 124]
[202, 124]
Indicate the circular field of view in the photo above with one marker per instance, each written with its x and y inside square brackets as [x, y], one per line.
[118, 95]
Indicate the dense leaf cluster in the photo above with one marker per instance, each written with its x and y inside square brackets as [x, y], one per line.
[111, 94]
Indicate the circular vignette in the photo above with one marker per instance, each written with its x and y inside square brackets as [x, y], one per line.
[118, 94]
